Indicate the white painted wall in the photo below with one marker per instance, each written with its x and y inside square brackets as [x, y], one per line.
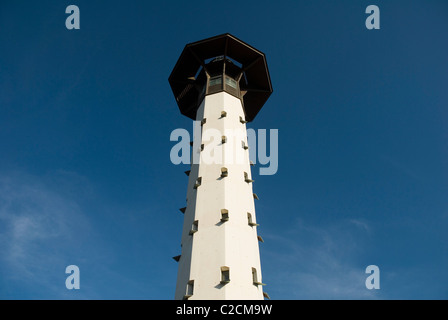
[234, 243]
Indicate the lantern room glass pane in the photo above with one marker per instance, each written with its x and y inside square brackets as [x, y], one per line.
[231, 82]
[215, 81]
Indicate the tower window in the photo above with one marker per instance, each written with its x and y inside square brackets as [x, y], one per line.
[246, 178]
[255, 278]
[231, 82]
[214, 81]
[250, 221]
[194, 227]
[198, 182]
[225, 275]
[190, 289]
[224, 215]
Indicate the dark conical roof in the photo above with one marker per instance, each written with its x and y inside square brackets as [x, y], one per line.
[252, 62]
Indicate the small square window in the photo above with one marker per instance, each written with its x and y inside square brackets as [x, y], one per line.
[242, 120]
[250, 221]
[224, 215]
[198, 182]
[194, 227]
[190, 289]
[225, 275]
[224, 172]
[255, 278]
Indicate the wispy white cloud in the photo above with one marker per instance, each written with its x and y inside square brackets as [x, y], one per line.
[363, 225]
[402, 167]
[319, 261]
[39, 229]
[52, 221]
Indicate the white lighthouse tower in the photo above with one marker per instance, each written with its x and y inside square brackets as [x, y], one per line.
[222, 83]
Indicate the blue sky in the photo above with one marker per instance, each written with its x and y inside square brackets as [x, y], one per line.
[86, 116]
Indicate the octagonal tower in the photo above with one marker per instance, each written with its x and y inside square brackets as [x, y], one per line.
[223, 83]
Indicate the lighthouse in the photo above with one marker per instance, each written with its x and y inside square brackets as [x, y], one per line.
[221, 83]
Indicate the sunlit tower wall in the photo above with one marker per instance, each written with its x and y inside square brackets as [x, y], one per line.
[222, 83]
